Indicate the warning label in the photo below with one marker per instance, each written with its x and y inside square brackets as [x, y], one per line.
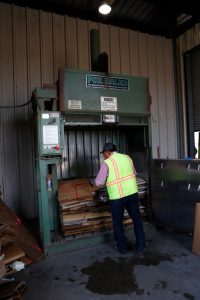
[109, 103]
[74, 104]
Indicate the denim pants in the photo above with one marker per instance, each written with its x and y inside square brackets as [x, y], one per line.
[131, 203]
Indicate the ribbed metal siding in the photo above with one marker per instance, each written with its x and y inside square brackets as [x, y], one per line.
[186, 42]
[33, 45]
[83, 145]
[82, 150]
[195, 85]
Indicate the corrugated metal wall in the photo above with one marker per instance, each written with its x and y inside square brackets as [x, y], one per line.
[82, 146]
[186, 42]
[33, 45]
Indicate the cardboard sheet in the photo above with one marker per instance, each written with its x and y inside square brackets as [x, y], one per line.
[12, 253]
[196, 236]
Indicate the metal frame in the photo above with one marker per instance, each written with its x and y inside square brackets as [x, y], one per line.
[47, 200]
[189, 107]
[175, 189]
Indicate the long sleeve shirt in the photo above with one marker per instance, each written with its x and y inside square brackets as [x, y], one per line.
[102, 175]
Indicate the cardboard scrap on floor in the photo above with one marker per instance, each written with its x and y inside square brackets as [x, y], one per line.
[16, 241]
[2, 266]
[196, 237]
[12, 253]
[12, 290]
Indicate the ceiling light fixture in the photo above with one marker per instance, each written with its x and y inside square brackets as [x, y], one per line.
[105, 8]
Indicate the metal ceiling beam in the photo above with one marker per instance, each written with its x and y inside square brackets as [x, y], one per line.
[161, 21]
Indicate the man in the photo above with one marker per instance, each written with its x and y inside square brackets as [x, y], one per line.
[119, 174]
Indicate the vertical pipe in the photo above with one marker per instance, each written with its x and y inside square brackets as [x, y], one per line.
[76, 153]
[98, 149]
[68, 156]
[44, 205]
[179, 118]
[190, 127]
[54, 199]
[90, 135]
[86, 170]
[95, 48]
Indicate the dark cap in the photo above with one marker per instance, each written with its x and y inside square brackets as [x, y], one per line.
[109, 147]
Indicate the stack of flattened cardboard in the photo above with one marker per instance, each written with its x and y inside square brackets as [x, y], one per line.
[142, 193]
[142, 187]
[75, 195]
[80, 212]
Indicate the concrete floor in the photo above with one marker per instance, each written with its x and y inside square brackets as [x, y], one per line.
[167, 270]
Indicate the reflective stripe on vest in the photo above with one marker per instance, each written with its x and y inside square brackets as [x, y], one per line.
[121, 180]
[117, 177]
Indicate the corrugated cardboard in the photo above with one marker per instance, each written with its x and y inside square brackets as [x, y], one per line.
[17, 232]
[2, 266]
[74, 189]
[196, 237]
[12, 253]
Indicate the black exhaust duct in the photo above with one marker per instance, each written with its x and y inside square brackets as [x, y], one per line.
[99, 61]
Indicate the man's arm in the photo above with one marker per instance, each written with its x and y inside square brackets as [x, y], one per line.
[102, 175]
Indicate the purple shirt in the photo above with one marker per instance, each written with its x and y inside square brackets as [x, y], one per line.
[102, 175]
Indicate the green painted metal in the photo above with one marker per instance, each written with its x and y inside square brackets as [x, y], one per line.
[55, 207]
[64, 245]
[47, 200]
[95, 47]
[131, 92]
[46, 93]
[132, 109]
[49, 126]
[44, 205]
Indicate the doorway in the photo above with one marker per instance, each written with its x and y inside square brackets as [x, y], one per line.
[192, 80]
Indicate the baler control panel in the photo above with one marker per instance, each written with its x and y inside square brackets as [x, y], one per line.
[50, 137]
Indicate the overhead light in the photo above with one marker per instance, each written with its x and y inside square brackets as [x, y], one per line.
[183, 18]
[104, 8]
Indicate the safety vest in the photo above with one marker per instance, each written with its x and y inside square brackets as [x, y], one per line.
[121, 181]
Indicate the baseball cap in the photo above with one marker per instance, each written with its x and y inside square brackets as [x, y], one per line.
[109, 147]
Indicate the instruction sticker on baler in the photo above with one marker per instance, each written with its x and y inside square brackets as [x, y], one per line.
[109, 103]
[50, 135]
[45, 116]
[74, 104]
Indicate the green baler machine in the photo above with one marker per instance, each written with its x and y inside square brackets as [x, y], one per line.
[74, 119]
[95, 92]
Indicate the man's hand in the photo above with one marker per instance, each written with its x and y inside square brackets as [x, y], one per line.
[93, 188]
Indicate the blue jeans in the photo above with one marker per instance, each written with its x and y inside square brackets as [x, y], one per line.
[131, 203]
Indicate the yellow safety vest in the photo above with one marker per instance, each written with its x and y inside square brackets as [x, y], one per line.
[121, 181]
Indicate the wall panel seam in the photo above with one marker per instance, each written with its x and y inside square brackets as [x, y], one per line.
[15, 98]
